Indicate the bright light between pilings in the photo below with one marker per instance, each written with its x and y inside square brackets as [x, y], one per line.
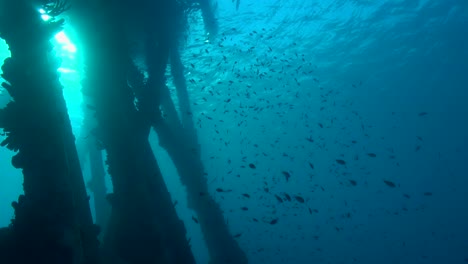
[44, 16]
[64, 42]
[61, 38]
[69, 75]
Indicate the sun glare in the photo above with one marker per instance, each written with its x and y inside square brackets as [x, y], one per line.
[64, 42]
[44, 16]
[69, 73]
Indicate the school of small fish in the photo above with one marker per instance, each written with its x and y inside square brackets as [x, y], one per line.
[245, 95]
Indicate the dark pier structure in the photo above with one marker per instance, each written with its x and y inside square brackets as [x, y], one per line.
[126, 46]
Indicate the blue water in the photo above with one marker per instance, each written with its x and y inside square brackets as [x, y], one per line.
[381, 85]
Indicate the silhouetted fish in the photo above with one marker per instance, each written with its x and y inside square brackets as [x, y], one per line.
[221, 190]
[341, 162]
[389, 184]
[299, 199]
[286, 174]
[278, 198]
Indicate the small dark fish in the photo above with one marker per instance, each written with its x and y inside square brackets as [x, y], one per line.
[353, 182]
[286, 174]
[237, 235]
[222, 190]
[278, 198]
[311, 165]
[427, 194]
[255, 220]
[244, 208]
[194, 219]
[287, 197]
[341, 162]
[299, 199]
[372, 155]
[389, 184]
[406, 196]
[422, 114]
[252, 166]
[310, 211]
[246, 195]
[274, 221]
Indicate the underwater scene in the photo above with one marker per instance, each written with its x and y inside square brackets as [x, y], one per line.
[234, 131]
